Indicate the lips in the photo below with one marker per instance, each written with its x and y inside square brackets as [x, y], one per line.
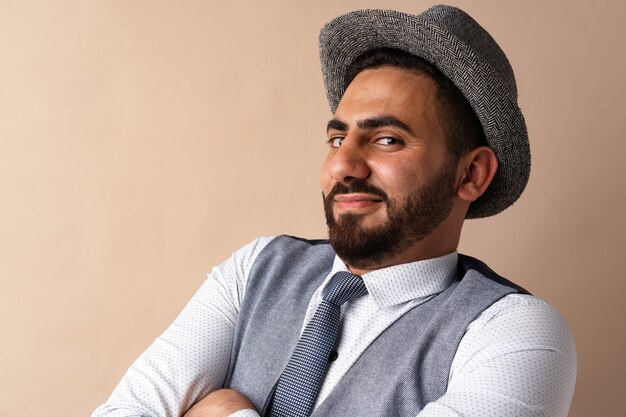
[352, 197]
[357, 196]
[356, 200]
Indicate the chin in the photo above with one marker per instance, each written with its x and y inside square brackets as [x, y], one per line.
[363, 220]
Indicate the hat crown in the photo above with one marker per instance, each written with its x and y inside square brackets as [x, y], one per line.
[468, 31]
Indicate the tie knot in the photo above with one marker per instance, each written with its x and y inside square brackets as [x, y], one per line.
[343, 287]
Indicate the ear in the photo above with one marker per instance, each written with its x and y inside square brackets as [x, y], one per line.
[476, 169]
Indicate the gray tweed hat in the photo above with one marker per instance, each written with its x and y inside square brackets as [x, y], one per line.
[462, 50]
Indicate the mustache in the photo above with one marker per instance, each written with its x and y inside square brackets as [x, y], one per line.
[355, 186]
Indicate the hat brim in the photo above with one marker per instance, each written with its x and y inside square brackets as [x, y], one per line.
[348, 36]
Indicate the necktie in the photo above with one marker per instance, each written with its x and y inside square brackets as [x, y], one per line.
[300, 382]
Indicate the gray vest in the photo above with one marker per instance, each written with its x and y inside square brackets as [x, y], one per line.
[404, 369]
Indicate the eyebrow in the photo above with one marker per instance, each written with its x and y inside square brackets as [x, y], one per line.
[336, 124]
[373, 123]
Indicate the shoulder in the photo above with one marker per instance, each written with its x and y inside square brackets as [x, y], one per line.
[271, 254]
[518, 318]
[298, 242]
[521, 350]
[521, 312]
[515, 323]
[291, 250]
[240, 262]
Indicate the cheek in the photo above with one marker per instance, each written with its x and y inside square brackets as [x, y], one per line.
[397, 179]
[326, 181]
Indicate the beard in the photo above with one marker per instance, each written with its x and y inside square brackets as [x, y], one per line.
[408, 221]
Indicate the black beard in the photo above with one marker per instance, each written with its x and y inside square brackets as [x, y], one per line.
[406, 224]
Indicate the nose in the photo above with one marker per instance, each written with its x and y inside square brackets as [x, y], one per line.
[348, 162]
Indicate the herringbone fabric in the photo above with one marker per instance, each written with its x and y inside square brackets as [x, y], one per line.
[300, 382]
[465, 53]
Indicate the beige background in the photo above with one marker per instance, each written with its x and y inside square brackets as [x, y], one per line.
[142, 141]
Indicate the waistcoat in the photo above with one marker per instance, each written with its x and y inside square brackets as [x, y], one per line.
[404, 368]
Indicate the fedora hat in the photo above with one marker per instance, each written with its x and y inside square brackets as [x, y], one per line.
[464, 52]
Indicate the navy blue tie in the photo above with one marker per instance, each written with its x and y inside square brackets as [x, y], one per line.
[300, 382]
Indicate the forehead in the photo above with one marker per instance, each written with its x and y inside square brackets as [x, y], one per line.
[391, 91]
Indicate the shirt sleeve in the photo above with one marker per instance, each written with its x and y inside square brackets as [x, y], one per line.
[245, 413]
[191, 358]
[517, 359]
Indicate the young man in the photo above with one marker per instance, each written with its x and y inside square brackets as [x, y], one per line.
[385, 318]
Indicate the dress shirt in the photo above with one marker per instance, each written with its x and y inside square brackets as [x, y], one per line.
[516, 358]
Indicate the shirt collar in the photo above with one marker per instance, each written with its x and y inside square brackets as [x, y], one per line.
[398, 284]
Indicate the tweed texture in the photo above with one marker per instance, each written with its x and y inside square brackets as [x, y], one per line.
[462, 50]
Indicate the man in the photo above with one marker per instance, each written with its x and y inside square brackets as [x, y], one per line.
[387, 319]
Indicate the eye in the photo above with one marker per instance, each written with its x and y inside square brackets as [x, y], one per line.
[388, 141]
[335, 142]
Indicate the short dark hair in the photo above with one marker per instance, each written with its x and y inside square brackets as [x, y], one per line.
[457, 117]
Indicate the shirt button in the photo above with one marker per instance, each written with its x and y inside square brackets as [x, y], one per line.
[333, 356]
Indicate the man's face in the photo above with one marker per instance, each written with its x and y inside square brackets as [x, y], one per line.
[388, 180]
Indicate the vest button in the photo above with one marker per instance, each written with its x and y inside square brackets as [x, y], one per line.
[333, 356]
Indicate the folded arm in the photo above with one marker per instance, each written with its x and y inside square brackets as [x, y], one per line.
[191, 358]
[223, 403]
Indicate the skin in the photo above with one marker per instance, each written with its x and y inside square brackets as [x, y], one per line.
[386, 132]
[220, 403]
